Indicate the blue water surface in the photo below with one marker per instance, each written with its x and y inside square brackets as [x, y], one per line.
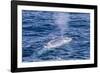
[39, 27]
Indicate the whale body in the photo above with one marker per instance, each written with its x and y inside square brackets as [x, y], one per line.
[58, 42]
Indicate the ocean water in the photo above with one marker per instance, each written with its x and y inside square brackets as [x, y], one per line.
[41, 27]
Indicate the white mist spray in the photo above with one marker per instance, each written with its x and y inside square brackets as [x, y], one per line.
[61, 20]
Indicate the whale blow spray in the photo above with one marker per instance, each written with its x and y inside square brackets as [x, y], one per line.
[61, 20]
